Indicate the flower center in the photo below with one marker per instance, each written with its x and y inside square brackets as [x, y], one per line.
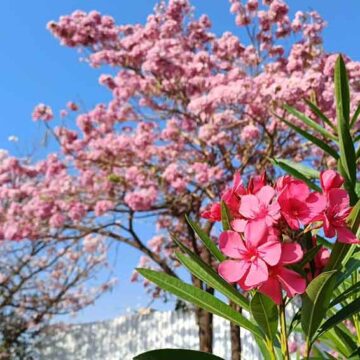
[252, 255]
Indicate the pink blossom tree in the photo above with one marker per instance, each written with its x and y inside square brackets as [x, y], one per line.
[188, 109]
[43, 278]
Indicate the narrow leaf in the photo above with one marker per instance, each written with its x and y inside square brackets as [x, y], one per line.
[339, 339]
[199, 298]
[352, 290]
[353, 264]
[319, 113]
[342, 94]
[208, 275]
[344, 313]
[211, 246]
[265, 312]
[322, 241]
[296, 170]
[176, 354]
[225, 216]
[309, 122]
[356, 354]
[316, 302]
[355, 116]
[319, 143]
[309, 255]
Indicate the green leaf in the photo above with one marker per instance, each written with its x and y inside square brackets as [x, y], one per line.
[339, 339]
[319, 113]
[207, 274]
[319, 143]
[211, 246]
[316, 302]
[352, 290]
[357, 186]
[344, 313]
[225, 216]
[322, 241]
[355, 116]
[309, 256]
[295, 321]
[199, 298]
[265, 312]
[330, 357]
[342, 90]
[350, 266]
[299, 171]
[356, 354]
[346, 338]
[176, 354]
[342, 94]
[309, 122]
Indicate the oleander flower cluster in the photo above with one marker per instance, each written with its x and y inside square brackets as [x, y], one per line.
[267, 221]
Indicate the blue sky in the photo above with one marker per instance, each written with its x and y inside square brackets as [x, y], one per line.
[35, 68]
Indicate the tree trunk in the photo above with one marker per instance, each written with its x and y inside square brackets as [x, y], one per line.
[235, 342]
[235, 337]
[204, 321]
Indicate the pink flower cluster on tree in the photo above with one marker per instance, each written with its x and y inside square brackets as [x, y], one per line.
[40, 280]
[48, 274]
[262, 240]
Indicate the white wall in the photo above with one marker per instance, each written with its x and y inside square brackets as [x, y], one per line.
[127, 336]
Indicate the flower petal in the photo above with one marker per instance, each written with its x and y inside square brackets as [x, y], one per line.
[298, 190]
[330, 179]
[270, 252]
[346, 236]
[257, 274]
[231, 244]
[265, 194]
[272, 289]
[329, 230]
[338, 198]
[232, 270]
[291, 253]
[255, 231]
[249, 206]
[239, 225]
[292, 282]
[316, 204]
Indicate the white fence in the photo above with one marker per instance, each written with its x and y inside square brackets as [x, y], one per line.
[127, 336]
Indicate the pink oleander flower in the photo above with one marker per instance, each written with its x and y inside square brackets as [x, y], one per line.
[335, 215]
[337, 208]
[298, 205]
[231, 198]
[260, 211]
[320, 261]
[330, 179]
[250, 258]
[212, 212]
[256, 183]
[42, 112]
[281, 278]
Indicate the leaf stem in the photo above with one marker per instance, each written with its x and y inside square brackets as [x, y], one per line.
[283, 332]
[270, 347]
[356, 318]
